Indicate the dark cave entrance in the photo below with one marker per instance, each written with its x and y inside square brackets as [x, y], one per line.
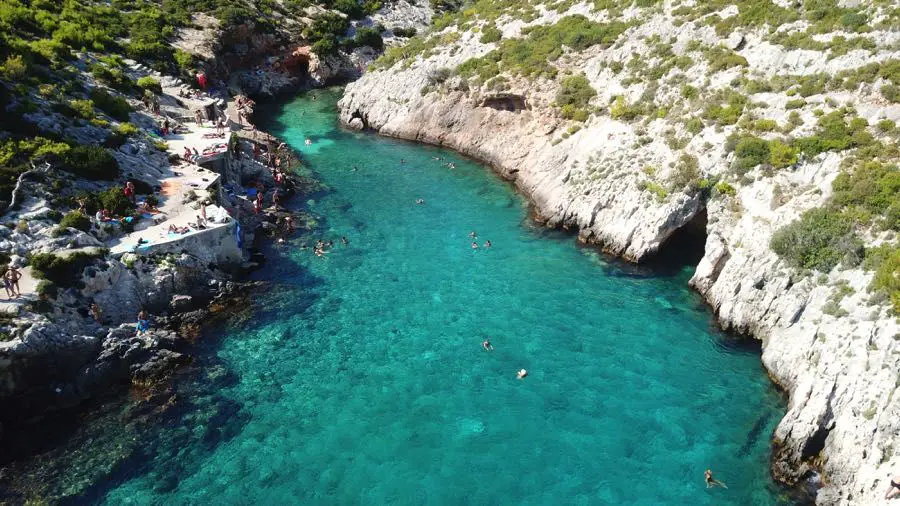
[684, 248]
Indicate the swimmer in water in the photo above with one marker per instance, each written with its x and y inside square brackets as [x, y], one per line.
[308, 141]
[420, 201]
[473, 235]
[521, 374]
[474, 245]
[487, 244]
[487, 345]
[344, 240]
[712, 482]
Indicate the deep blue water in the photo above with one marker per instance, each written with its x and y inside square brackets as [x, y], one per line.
[361, 378]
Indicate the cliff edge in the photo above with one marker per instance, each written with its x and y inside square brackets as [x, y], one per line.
[775, 124]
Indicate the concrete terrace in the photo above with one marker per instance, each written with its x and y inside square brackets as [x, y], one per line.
[204, 139]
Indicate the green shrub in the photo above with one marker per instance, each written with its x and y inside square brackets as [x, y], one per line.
[404, 32]
[725, 108]
[91, 162]
[184, 60]
[14, 68]
[887, 272]
[834, 133]
[46, 289]
[689, 92]
[113, 77]
[325, 47]
[886, 126]
[116, 107]
[656, 189]
[724, 188]
[371, 37]
[687, 173]
[694, 126]
[575, 94]
[721, 58]
[765, 125]
[532, 55]
[76, 220]
[490, 34]
[873, 188]
[891, 92]
[795, 104]
[127, 129]
[782, 155]
[750, 151]
[63, 270]
[621, 110]
[149, 83]
[82, 108]
[819, 240]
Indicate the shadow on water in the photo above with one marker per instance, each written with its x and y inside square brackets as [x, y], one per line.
[76, 456]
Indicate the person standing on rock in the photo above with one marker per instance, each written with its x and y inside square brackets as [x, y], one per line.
[96, 312]
[894, 491]
[130, 192]
[7, 284]
[12, 276]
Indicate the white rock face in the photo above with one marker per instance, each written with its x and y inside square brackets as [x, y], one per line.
[840, 370]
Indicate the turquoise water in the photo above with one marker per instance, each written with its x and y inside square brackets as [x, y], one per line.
[362, 380]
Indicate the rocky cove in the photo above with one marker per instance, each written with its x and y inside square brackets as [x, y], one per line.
[839, 370]
[608, 177]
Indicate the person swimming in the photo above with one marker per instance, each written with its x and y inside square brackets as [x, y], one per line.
[420, 201]
[344, 241]
[487, 244]
[521, 374]
[487, 345]
[712, 482]
[474, 245]
[308, 141]
[473, 235]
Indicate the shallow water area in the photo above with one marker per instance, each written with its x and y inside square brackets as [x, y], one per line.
[362, 378]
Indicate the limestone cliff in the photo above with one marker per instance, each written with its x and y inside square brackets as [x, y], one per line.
[650, 144]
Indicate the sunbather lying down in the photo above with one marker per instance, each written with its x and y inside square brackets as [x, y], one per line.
[178, 230]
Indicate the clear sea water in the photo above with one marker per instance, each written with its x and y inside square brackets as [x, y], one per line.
[360, 378]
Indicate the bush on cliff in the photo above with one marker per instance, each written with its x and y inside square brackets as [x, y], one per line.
[819, 240]
[91, 162]
[149, 83]
[404, 32]
[116, 107]
[490, 34]
[574, 96]
[750, 151]
[871, 190]
[885, 261]
[76, 220]
[371, 37]
[63, 270]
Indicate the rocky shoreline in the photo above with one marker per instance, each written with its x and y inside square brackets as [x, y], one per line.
[839, 370]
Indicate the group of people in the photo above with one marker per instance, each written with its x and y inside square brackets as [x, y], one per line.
[142, 323]
[244, 108]
[278, 160]
[474, 235]
[520, 374]
[322, 247]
